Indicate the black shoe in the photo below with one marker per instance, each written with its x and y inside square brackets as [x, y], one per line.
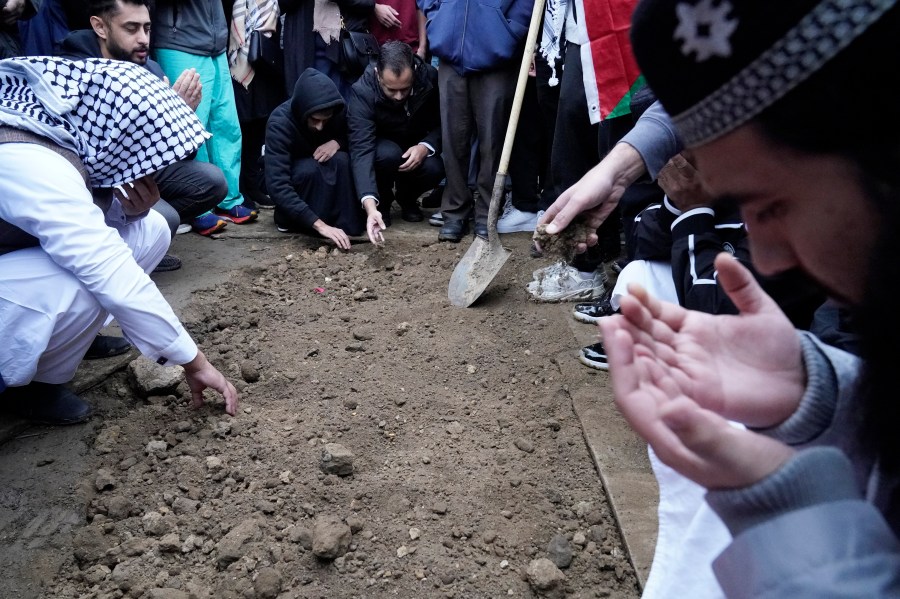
[386, 217]
[168, 263]
[481, 230]
[453, 230]
[594, 356]
[591, 312]
[106, 346]
[45, 404]
[411, 214]
[433, 199]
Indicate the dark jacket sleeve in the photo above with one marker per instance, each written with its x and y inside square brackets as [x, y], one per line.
[282, 149]
[361, 121]
[695, 244]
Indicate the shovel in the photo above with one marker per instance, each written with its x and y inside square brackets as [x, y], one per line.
[484, 258]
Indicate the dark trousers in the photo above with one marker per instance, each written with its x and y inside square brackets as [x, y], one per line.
[409, 185]
[574, 150]
[190, 187]
[327, 188]
[478, 104]
[528, 162]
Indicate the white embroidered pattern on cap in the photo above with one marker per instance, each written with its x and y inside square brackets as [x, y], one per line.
[705, 29]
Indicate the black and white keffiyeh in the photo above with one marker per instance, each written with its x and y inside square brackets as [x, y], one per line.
[121, 120]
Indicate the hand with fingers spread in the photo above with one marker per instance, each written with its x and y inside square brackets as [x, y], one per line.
[138, 196]
[200, 375]
[680, 375]
[746, 367]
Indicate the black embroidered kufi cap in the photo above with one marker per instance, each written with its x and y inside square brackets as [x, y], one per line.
[716, 64]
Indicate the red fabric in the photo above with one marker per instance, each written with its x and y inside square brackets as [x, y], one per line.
[608, 23]
[409, 29]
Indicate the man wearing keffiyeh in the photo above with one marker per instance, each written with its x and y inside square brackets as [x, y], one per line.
[69, 259]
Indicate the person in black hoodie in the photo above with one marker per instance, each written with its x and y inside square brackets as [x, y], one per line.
[394, 116]
[190, 188]
[308, 169]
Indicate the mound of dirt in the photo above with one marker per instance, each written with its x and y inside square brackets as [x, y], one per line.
[387, 445]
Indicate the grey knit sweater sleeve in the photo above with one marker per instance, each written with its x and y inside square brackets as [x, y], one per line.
[655, 138]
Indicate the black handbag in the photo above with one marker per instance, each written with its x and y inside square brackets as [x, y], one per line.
[263, 50]
[358, 49]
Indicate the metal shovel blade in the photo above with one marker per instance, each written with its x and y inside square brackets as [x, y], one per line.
[475, 271]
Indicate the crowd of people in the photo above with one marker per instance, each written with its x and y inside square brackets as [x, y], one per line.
[722, 199]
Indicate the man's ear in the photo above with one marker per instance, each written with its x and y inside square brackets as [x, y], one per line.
[99, 27]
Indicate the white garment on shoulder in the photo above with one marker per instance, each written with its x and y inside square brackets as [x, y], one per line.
[44, 195]
[690, 535]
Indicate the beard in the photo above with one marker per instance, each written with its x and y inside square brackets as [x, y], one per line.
[120, 53]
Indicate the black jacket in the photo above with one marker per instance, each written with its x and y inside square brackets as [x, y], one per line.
[84, 44]
[288, 138]
[690, 241]
[371, 115]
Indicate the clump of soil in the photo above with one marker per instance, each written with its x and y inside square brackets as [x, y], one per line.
[386, 445]
[563, 243]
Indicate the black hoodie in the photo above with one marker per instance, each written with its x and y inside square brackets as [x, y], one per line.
[289, 138]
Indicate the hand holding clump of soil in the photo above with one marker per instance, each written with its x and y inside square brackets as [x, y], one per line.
[563, 243]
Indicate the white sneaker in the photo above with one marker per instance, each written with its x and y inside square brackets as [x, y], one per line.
[183, 228]
[436, 220]
[560, 283]
[514, 220]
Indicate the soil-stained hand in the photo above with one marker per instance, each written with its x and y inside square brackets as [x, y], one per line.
[200, 375]
[138, 196]
[188, 86]
[326, 151]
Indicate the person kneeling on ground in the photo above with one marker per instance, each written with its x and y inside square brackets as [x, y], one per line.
[395, 132]
[308, 169]
[69, 259]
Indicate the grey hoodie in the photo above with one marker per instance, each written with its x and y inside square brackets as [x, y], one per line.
[192, 26]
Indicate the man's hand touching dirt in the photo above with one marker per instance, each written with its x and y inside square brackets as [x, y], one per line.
[200, 375]
[596, 195]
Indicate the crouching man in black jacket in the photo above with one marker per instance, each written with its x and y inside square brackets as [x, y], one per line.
[395, 132]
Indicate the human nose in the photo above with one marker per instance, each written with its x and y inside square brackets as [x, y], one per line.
[771, 255]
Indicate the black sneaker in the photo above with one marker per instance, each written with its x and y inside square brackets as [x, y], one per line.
[107, 346]
[594, 356]
[44, 403]
[168, 263]
[591, 312]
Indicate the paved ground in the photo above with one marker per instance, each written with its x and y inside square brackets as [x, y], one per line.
[624, 470]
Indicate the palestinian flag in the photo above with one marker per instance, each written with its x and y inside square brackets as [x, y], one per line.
[610, 70]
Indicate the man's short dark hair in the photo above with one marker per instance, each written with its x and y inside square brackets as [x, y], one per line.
[109, 8]
[396, 56]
